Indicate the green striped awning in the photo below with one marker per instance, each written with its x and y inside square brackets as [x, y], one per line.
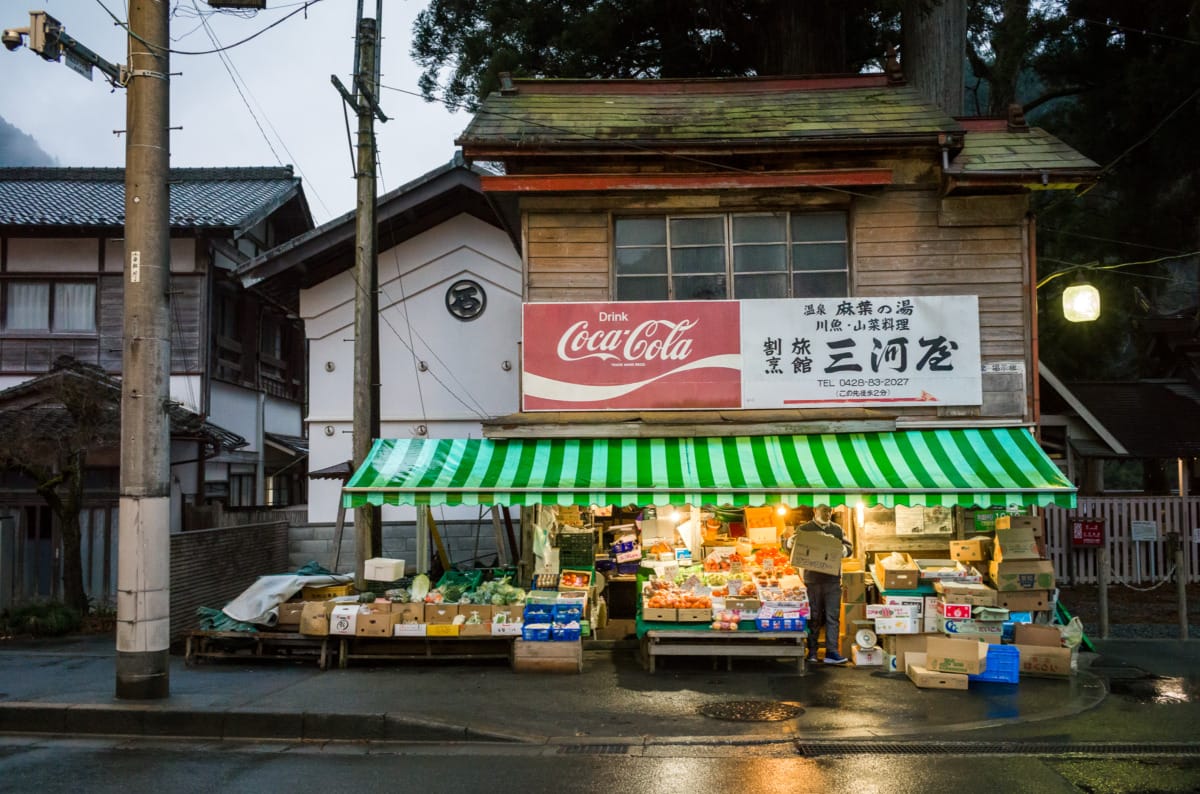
[997, 467]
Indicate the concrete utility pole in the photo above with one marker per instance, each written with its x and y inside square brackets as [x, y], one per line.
[368, 526]
[143, 571]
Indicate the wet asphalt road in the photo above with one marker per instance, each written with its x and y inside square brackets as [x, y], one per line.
[47, 766]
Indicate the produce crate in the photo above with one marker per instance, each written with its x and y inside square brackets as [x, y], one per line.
[564, 634]
[1003, 665]
[326, 592]
[468, 579]
[536, 633]
[577, 549]
[780, 624]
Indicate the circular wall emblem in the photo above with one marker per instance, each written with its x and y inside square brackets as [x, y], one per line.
[466, 299]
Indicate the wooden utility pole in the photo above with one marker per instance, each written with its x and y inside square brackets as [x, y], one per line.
[368, 527]
[143, 575]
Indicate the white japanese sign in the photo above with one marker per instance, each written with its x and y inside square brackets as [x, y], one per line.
[804, 353]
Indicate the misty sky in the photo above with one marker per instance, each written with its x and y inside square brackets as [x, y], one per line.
[284, 74]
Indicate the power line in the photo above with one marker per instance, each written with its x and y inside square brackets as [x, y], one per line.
[1143, 31]
[1073, 267]
[251, 37]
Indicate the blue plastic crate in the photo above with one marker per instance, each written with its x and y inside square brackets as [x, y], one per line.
[779, 624]
[564, 634]
[1003, 665]
[628, 568]
[565, 613]
[539, 613]
[540, 633]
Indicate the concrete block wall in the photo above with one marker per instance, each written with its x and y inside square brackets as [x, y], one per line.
[465, 541]
[211, 567]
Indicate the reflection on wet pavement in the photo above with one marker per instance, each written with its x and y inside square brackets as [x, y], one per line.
[1155, 689]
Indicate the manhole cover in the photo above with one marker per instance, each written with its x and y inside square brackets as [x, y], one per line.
[752, 711]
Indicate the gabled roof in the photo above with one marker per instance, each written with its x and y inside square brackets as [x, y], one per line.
[201, 198]
[36, 394]
[400, 214]
[1140, 419]
[573, 114]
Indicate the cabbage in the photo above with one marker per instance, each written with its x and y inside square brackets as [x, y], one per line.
[420, 587]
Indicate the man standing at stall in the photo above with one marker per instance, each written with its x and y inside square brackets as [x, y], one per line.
[824, 589]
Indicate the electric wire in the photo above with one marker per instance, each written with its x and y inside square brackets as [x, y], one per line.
[251, 37]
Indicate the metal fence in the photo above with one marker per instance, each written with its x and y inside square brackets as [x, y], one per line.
[1131, 562]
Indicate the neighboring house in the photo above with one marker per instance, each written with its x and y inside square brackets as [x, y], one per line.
[793, 216]
[449, 328]
[1127, 437]
[237, 360]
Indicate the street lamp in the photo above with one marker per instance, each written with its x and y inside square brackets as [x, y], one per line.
[1081, 302]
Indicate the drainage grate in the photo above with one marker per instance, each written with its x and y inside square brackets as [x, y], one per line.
[752, 711]
[814, 749]
[594, 749]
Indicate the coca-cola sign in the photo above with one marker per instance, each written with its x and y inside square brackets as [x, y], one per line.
[631, 356]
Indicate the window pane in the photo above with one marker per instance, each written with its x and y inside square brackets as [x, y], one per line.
[689, 288]
[28, 306]
[819, 226]
[641, 261]
[698, 260]
[75, 307]
[767, 286]
[697, 231]
[757, 258]
[759, 229]
[820, 285]
[819, 256]
[642, 289]
[641, 231]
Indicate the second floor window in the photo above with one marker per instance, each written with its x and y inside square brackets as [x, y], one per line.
[741, 256]
[50, 306]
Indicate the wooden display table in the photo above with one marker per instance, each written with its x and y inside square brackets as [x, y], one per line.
[274, 645]
[398, 648]
[763, 644]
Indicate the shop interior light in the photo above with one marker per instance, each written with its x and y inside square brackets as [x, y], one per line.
[1081, 302]
[675, 516]
[782, 510]
[860, 513]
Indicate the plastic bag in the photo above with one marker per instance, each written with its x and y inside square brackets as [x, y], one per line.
[1072, 633]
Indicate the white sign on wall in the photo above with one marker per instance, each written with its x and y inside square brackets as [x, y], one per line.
[804, 353]
[1143, 530]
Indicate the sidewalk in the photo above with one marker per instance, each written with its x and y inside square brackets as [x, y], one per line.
[66, 686]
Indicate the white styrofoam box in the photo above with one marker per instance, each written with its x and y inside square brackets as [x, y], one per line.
[916, 601]
[867, 657]
[344, 619]
[898, 625]
[383, 569]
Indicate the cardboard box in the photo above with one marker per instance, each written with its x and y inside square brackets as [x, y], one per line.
[935, 570]
[904, 578]
[913, 601]
[876, 611]
[289, 614]
[897, 645]
[977, 595]
[1022, 574]
[1034, 634]
[853, 612]
[1024, 600]
[440, 613]
[409, 613]
[441, 630]
[475, 630]
[343, 620]
[854, 587]
[1045, 662]
[743, 604]
[660, 614]
[1035, 523]
[383, 569]
[954, 655]
[1016, 544]
[973, 550]
[378, 624]
[484, 611]
[974, 629]
[929, 614]
[408, 630]
[694, 615]
[314, 618]
[817, 551]
[925, 678]
[956, 611]
[899, 626]
[866, 657]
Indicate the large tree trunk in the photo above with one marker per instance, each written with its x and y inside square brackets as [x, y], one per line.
[934, 49]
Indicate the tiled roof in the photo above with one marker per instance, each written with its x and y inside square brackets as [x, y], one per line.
[657, 113]
[91, 197]
[1027, 151]
[1151, 419]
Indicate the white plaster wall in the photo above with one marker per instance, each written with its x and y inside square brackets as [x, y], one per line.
[464, 380]
[236, 409]
[186, 390]
[282, 417]
[43, 255]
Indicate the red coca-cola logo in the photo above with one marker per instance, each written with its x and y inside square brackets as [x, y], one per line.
[651, 340]
[643, 356]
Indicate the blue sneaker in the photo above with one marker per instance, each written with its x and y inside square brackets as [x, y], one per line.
[833, 657]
